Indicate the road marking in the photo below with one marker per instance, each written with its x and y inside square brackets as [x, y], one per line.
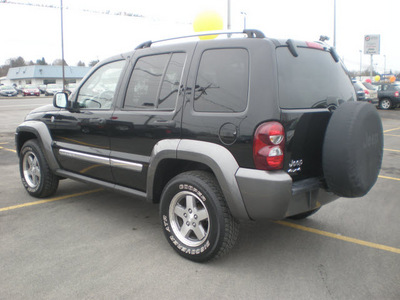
[49, 200]
[89, 168]
[386, 177]
[392, 150]
[6, 149]
[339, 237]
[393, 129]
[29, 106]
[391, 134]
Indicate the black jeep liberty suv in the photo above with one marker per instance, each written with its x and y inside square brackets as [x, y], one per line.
[215, 131]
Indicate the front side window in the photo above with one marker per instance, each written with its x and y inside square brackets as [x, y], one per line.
[98, 91]
[155, 82]
[222, 81]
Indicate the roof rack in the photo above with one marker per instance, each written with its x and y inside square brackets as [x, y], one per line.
[251, 33]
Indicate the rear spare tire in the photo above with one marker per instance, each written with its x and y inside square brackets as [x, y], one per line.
[353, 149]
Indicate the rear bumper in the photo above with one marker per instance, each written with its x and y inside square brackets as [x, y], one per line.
[273, 195]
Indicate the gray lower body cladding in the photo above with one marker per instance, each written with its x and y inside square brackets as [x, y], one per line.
[273, 195]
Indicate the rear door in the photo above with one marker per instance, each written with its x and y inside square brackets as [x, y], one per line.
[311, 85]
[149, 111]
[218, 96]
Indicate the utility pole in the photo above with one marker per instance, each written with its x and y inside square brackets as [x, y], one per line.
[229, 16]
[334, 23]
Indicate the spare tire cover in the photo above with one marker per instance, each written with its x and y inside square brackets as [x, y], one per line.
[353, 149]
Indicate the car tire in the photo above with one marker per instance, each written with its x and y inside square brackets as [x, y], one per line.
[304, 214]
[196, 220]
[385, 104]
[352, 149]
[36, 175]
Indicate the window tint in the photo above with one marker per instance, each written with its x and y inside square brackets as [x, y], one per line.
[312, 79]
[155, 82]
[222, 81]
[394, 88]
[98, 91]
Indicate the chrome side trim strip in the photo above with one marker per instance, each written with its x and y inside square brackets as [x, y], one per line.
[83, 156]
[126, 165]
[102, 160]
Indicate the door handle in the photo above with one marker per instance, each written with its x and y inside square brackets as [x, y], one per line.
[163, 123]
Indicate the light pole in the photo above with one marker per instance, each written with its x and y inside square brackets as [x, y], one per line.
[62, 46]
[229, 16]
[384, 66]
[360, 63]
[244, 19]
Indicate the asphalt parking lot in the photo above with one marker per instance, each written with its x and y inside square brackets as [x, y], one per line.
[87, 243]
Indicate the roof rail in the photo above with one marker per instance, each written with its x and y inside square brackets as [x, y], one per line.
[251, 33]
[254, 33]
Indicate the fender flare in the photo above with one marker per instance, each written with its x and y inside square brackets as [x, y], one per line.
[41, 132]
[216, 157]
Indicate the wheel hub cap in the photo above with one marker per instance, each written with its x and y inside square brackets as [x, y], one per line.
[189, 218]
[31, 169]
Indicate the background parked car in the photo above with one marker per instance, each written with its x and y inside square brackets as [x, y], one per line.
[30, 90]
[372, 89]
[53, 89]
[360, 92]
[70, 88]
[389, 96]
[8, 91]
[42, 88]
[17, 88]
[371, 95]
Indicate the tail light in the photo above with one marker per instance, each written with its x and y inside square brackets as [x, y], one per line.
[268, 146]
[366, 92]
[396, 94]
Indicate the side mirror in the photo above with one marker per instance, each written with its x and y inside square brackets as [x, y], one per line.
[60, 100]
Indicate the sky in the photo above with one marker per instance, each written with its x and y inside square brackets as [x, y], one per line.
[34, 32]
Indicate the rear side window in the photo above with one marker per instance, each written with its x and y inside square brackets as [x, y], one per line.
[155, 82]
[222, 81]
[311, 80]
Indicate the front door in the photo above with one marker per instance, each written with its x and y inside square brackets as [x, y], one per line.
[81, 134]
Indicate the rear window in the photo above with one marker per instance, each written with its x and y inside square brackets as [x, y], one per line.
[358, 86]
[311, 80]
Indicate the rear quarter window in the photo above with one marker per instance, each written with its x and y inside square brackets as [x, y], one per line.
[222, 81]
[311, 80]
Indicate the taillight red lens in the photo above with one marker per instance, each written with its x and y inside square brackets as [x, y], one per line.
[396, 94]
[268, 146]
[366, 92]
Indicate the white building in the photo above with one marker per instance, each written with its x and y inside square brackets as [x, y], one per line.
[43, 75]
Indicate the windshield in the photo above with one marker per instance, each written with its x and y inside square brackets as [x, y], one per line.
[311, 80]
[359, 86]
[54, 86]
[370, 86]
[6, 87]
